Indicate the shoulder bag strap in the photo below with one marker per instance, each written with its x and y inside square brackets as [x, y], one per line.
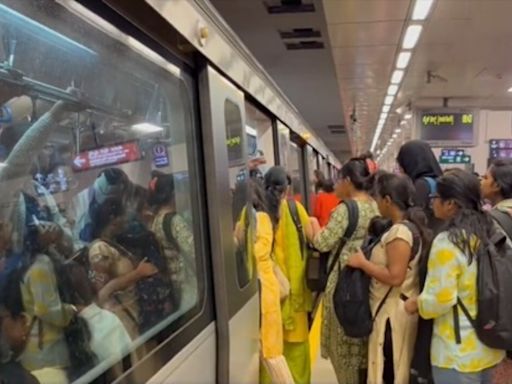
[431, 185]
[382, 302]
[292, 207]
[353, 220]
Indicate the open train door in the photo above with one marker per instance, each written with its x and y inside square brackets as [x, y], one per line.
[234, 275]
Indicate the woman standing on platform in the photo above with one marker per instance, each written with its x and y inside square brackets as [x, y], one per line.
[347, 355]
[290, 257]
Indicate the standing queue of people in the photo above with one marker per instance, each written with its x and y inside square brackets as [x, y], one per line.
[421, 265]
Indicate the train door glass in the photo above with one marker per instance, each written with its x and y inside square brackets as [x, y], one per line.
[260, 141]
[98, 189]
[312, 166]
[283, 134]
[239, 174]
[296, 171]
[231, 229]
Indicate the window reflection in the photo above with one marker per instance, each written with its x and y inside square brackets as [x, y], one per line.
[98, 231]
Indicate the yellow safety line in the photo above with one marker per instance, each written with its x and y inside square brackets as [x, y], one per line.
[314, 335]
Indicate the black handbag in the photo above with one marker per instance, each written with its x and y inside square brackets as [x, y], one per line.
[317, 263]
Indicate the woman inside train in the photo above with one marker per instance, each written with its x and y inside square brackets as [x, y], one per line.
[393, 267]
[288, 255]
[325, 201]
[114, 270]
[458, 355]
[347, 355]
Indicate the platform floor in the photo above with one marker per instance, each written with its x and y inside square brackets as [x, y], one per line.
[322, 371]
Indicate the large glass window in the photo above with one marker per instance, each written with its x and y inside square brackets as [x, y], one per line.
[312, 167]
[260, 141]
[99, 201]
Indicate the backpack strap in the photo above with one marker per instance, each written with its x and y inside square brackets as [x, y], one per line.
[292, 207]
[416, 238]
[504, 220]
[353, 220]
[382, 302]
[456, 320]
[432, 185]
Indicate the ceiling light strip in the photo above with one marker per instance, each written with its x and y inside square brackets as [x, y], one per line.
[412, 34]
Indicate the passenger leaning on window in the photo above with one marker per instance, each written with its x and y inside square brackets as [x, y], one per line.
[114, 271]
[288, 254]
[452, 275]
[496, 187]
[393, 267]
[348, 355]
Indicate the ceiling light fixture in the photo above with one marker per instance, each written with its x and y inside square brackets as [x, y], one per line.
[386, 108]
[397, 76]
[147, 128]
[408, 115]
[398, 130]
[388, 100]
[509, 90]
[421, 9]
[403, 59]
[412, 34]
[392, 89]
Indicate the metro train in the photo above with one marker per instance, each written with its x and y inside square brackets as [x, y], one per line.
[141, 86]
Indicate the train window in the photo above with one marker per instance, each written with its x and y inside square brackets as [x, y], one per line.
[239, 173]
[260, 142]
[283, 134]
[98, 193]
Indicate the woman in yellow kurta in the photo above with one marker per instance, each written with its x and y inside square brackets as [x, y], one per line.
[289, 255]
[452, 275]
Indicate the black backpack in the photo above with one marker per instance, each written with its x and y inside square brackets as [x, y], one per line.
[493, 323]
[317, 268]
[352, 294]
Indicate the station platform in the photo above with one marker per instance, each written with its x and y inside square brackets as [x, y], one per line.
[321, 369]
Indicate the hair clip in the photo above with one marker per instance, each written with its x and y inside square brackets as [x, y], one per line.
[152, 184]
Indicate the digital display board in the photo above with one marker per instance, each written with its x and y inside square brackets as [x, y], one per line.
[443, 127]
[454, 156]
[500, 149]
[116, 154]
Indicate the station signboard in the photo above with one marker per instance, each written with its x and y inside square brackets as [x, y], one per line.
[500, 149]
[454, 156]
[111, 155]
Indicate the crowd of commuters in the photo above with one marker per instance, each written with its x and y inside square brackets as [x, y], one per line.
[78, 292]
[427, 229]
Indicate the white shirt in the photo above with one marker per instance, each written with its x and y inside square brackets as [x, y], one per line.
[109, 336]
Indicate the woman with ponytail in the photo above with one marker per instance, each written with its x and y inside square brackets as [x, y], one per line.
[393, 267]
[347, 355]
[290, 256]
[452, 276]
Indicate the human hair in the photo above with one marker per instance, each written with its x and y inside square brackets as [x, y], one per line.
[257, 191]
[11, 299]
[470, 223]
[358, 172]
[501, 172]
[161, 189]
[328, 186]
[102, 214]
[417, 160]
[276, 182]
[83, 291]
[401, 192]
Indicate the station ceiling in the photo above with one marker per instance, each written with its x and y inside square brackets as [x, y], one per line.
[462, 59]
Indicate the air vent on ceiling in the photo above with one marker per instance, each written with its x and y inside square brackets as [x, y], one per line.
[337, 129]
[300, 33]
[289, 6]
[298, 45]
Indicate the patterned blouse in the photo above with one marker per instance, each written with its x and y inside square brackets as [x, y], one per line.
[449, 276]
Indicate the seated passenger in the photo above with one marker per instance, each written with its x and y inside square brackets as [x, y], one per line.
[109, 338]
[115, 271]
[174, 234]
[325, 201]
[452, 275]
[393, 267]
[14, 334]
